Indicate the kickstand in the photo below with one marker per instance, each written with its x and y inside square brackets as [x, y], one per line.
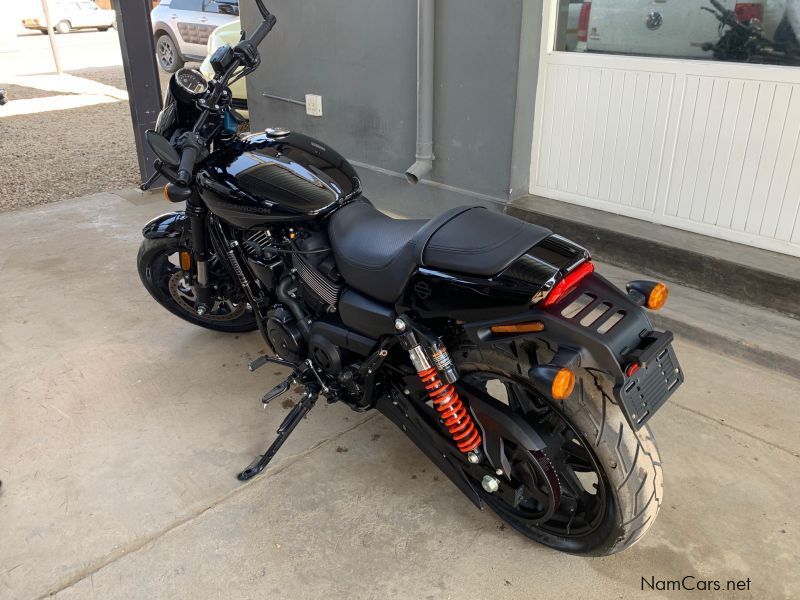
[291, 421]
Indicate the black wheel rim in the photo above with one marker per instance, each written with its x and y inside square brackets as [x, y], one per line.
[582, 506]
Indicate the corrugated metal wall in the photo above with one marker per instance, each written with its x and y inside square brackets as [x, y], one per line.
[707, 147]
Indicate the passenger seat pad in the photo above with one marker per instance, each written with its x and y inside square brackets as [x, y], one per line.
[481, 242]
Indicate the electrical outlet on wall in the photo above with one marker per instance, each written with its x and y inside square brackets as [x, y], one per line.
[314, 105]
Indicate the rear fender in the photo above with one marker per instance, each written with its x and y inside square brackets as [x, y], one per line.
[170, 225]
[608, 351]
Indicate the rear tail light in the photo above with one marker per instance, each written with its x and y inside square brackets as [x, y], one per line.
[745, 11]
[568, 283]
[583, 22]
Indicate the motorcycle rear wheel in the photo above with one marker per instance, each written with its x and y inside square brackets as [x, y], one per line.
[161, 277]
[590, 445]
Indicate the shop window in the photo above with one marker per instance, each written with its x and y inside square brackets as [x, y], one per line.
[763, 32]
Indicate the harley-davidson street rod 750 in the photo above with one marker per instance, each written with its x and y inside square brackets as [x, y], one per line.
[492, 343]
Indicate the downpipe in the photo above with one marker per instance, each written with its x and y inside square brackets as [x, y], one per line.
[425, 83]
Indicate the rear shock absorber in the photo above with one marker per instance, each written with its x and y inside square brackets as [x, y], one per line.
[438, 379]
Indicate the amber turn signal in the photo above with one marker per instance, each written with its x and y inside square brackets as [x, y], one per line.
[186, 260]
[657, 297]
[563, 384]
[529, 327]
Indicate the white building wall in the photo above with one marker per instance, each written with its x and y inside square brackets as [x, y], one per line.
[704, 146]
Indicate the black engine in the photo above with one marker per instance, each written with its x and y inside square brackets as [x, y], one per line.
[308, 295]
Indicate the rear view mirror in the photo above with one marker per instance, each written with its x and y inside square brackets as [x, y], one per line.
[162, 148]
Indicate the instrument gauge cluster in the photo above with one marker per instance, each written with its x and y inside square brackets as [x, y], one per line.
[190, 83]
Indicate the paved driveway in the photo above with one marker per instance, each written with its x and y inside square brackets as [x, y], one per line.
[122, 429]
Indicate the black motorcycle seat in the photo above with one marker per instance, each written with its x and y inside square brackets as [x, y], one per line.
[376, 254]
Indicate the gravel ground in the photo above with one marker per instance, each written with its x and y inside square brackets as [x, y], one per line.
[18, 92]
[67, 153]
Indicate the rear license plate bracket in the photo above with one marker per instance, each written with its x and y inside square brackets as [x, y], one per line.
[648, 388]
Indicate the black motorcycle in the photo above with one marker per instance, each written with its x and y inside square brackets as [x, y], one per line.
[526, 377]
[744, 40]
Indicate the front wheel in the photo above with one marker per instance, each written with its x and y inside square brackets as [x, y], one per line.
[597, 487]
[172, 288]
[63, 27]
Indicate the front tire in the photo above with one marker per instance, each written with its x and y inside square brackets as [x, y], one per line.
[629, 479]
[63, 27]
[161, 277]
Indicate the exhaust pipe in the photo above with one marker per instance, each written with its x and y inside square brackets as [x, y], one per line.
[425, 57]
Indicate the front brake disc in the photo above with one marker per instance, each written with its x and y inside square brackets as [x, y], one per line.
[184, 296]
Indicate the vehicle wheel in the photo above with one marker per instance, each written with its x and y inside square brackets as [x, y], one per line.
[43, 31]
[604, 480]
[63, 27]
[169, 59]
[168, 285]
[101, 29]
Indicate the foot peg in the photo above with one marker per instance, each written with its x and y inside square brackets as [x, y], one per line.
[282, 387]
[278, 390]
[289, 423]
[264, 359]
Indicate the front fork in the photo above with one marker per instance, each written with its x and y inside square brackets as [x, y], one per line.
[197, 218]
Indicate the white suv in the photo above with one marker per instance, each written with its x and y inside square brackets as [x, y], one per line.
[182, 27]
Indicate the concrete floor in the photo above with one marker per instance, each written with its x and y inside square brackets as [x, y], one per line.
[122, 429]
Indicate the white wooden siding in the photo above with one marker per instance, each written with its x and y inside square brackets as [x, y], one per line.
[703, 146]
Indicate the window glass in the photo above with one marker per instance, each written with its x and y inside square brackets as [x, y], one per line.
[762, 32]
[225, 7]
[186, 5]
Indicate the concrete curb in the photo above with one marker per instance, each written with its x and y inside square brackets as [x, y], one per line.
[762, 357]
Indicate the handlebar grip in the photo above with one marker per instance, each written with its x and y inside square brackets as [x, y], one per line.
[263, 29]
[186, 167]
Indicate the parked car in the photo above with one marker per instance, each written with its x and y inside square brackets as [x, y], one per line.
[68, 16]
[227, 34]
[182, 28]
[670, 28]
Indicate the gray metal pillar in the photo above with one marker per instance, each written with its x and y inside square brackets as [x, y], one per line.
[141, 74]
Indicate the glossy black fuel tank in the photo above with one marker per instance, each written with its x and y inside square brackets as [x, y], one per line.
[276, 176]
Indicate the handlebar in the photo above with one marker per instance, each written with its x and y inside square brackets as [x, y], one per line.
[263, 30]
[186, 167]
[193, 142]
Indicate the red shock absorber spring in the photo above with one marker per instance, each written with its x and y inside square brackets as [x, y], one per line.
[451, 410]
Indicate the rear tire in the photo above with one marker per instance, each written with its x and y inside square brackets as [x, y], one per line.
[151, 265]
[628, 461]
